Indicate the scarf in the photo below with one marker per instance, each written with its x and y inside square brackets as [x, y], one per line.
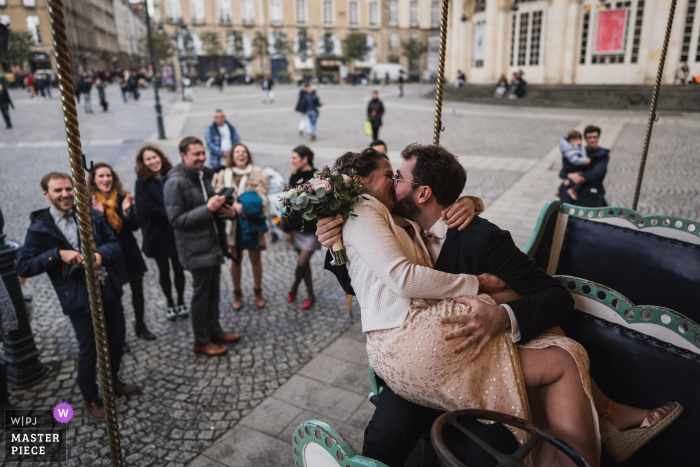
[228, 183]
[110, 205]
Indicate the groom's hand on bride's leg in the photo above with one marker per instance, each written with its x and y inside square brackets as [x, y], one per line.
[329, 229]
[481, 324]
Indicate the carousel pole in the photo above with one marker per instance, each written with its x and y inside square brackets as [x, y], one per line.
[654, 101]
[77, 162]
[441, 72]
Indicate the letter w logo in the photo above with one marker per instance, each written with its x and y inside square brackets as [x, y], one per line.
[63, 413]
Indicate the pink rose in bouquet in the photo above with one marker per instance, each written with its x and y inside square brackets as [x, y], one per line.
[316, 184]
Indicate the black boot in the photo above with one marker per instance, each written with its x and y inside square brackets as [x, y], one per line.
[142, 331]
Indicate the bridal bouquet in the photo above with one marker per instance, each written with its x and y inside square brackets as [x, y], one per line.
[328, 194]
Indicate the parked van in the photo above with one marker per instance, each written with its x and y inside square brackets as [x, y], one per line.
[380, 70]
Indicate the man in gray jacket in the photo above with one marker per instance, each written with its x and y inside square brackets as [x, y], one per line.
[192, 205]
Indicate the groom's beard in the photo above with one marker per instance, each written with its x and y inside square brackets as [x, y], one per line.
[406, 207]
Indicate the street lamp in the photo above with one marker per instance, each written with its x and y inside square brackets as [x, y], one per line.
[159, 109]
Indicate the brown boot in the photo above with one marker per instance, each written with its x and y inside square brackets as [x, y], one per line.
[259, 300]
[237, 300]
[211, 349]
[126, 389]
[95, 411]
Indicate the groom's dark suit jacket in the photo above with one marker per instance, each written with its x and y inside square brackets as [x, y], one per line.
[481, 247]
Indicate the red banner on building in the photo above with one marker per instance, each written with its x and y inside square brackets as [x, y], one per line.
[610, 32]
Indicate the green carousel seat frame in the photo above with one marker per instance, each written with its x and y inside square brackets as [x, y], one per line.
[642, 355]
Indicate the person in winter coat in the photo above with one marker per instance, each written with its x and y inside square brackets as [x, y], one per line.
[191, 204]
[312, 104]
[158, 235]
[84, 88]
[220, 137]
[101, 85]
[375, 111]
[124, 88]
[305, 243]
[241, 174]
[52, 246]
[117, 206]
[592, 192]
[304, 123]
[5, 104]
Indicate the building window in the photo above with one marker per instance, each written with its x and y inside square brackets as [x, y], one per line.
[3, 3]
[619, 58]
[435, 15]
[353, 14]
[276, 13]
[248, 12]
[301, 12]
[584, 37]
[328, 13]
[479, 6]
[414, 14]
[638, 30]
[373, 14]
[535, 38]
[393, 12]
[225, 13]
[197, 10]
[522, 39]
[393, 40]
[512, 40]
[5, 19]
[478, 44]
[688, 30]
[173, 11]
[29, 3]
[33, 28]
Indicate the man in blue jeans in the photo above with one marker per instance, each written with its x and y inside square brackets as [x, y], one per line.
[52, 245]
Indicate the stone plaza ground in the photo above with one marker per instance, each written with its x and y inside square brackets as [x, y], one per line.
[292, 365]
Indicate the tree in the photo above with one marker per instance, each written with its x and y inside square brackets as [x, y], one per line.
[280, 44]
[163, 48]
[355, 47]
[235, 40]
[304, 44]
[19, 49]
[211, 43]
[413, 49]
[327, 45]
[261, 48]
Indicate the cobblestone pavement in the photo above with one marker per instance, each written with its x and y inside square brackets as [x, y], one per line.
[190, 401]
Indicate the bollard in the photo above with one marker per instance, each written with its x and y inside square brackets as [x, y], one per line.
[21, 356]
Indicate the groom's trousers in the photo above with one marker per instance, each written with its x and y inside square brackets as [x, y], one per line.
[397, 425]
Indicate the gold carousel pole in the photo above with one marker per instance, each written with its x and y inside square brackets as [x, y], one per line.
[441, 72]
[77, 162]
[654, 100]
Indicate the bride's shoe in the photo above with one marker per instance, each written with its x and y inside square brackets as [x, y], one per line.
[620, 445]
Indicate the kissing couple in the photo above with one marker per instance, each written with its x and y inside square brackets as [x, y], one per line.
[445, 332]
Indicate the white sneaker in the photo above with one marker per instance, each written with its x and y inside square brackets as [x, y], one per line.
[171, 313]
[183, 311]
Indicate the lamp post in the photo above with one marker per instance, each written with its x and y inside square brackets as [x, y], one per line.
[21, 354]
[159, 109]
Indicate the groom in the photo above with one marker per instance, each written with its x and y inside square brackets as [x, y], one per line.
[430, 180]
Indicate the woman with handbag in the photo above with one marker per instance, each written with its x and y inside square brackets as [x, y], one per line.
[301, 234]
[241, 174]
[117, 206]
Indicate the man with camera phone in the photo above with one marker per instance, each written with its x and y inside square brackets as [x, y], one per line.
[52, 245]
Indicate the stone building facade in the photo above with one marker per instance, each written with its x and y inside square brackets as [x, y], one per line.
[131, 27]
[31, 16]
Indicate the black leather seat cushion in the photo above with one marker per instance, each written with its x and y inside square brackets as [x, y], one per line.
[646, 268]
[641, 371]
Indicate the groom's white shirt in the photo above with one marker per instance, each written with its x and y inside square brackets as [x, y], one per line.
[439, 230]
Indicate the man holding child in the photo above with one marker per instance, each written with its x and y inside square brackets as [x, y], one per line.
[583, 169]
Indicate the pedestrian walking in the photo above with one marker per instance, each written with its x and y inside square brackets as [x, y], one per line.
[245, 233]
[30, 84]
[375, 111]
[101, 85]
[158, 235]
[117, 206]
[84, 88]
[52, 245]
[267, 84]
[5, 104]
[300, 233]
[134, 85]
[47, 84]
[312, 103]
[191, 204]
[304, 123]
[124, 88]
[220, 137]
[40, 85]
[400, 84]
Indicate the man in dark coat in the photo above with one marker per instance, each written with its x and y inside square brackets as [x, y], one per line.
[592, 192]
[481, 247]
[301, 108]
[375, 111]
[5, 104]
[52, 245]
[192, 205]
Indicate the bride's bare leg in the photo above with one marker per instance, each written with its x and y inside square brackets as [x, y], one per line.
[567, 407]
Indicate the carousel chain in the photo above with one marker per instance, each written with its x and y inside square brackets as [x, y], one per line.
[441, 72]
[70, 117]
[654, 100]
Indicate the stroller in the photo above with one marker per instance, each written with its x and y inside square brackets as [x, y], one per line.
[275, 211]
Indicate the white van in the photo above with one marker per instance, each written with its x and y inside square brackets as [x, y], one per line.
[380, 70]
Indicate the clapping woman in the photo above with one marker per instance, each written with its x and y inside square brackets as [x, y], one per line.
[109, 198]
[241, 174]
[158, 236]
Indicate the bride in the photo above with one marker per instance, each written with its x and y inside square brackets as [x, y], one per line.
[403, 301]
